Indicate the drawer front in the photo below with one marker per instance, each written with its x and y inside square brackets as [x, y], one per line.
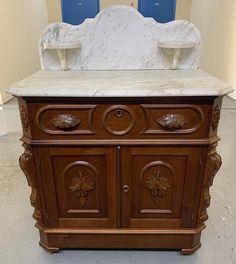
[65, 119]
[173, 119]
[117, 121]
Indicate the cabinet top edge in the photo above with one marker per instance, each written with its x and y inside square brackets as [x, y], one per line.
[127, 84]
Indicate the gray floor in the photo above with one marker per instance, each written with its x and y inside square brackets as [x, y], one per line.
[19, 239]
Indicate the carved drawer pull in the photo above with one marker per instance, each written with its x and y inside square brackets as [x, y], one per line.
[172, 121]
[125, 188]
[65, 121]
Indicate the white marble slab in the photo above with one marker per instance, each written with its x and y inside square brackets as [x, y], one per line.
[148, 83]
[120, 38]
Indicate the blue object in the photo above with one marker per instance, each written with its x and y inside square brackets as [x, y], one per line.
[76, 11]
[161, 10]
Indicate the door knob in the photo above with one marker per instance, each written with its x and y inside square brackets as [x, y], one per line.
[125, 188]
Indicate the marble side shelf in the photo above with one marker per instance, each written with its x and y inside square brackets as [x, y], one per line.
[61, 49]
[176, 46]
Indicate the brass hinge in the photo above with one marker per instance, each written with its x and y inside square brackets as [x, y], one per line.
[38, 161]
[192, 216]
[46, 215]
[201, 161]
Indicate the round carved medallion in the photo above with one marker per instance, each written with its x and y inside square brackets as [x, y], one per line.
[118, 120]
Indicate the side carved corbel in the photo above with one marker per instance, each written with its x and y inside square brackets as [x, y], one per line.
[213, 164]
[24, 118]
[215, 118]
[27, 164]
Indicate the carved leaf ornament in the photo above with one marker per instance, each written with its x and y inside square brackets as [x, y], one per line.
[81, 185]
[157, 185]
[65, 121]
[172, 121]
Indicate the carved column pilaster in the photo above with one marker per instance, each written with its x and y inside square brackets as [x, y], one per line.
[213, 164]
[27, 164]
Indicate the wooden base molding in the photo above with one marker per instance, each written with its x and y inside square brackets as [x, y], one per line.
[49, 249]
[186, 243]
[189, 251]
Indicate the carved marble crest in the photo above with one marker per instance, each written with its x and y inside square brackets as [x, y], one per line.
[129, 41]
[157, 185]
[213, 164]
[27, 165]
[65, 121]
[81, 185]
[24, 118]
[172, 121]
[215, 117]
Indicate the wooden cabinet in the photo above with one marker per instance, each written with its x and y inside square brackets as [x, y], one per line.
[112, 175]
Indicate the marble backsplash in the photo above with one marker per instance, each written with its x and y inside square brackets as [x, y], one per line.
[120, 38]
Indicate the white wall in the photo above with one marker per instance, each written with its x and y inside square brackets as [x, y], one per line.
[216, 20]
[183, 8]
[21, 22]
[54, 11]
[106, 3]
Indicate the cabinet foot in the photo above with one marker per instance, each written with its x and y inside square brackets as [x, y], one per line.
[188, 251]
[49, 249]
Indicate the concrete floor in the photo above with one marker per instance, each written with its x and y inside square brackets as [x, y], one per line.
[19, 238]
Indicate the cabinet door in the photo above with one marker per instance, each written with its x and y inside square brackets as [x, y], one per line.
[84, 184]
[159, 186]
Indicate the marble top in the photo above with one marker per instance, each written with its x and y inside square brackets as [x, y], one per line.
[139, 83]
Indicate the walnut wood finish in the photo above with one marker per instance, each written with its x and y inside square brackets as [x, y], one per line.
[120, 172]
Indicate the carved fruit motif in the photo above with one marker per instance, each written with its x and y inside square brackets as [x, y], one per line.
[215, 118]
[27, 165]
[157, 185]
[65, 121]
[81, 185]
[172, 121]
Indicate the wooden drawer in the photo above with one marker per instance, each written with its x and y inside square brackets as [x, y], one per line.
[176, 119]
[119, 121]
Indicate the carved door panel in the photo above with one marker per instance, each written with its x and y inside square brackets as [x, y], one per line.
[159, 186]
[85, 186]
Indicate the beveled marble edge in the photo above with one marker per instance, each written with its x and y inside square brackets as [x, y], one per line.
[147, 83]
[176, 44]
[75, 45]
